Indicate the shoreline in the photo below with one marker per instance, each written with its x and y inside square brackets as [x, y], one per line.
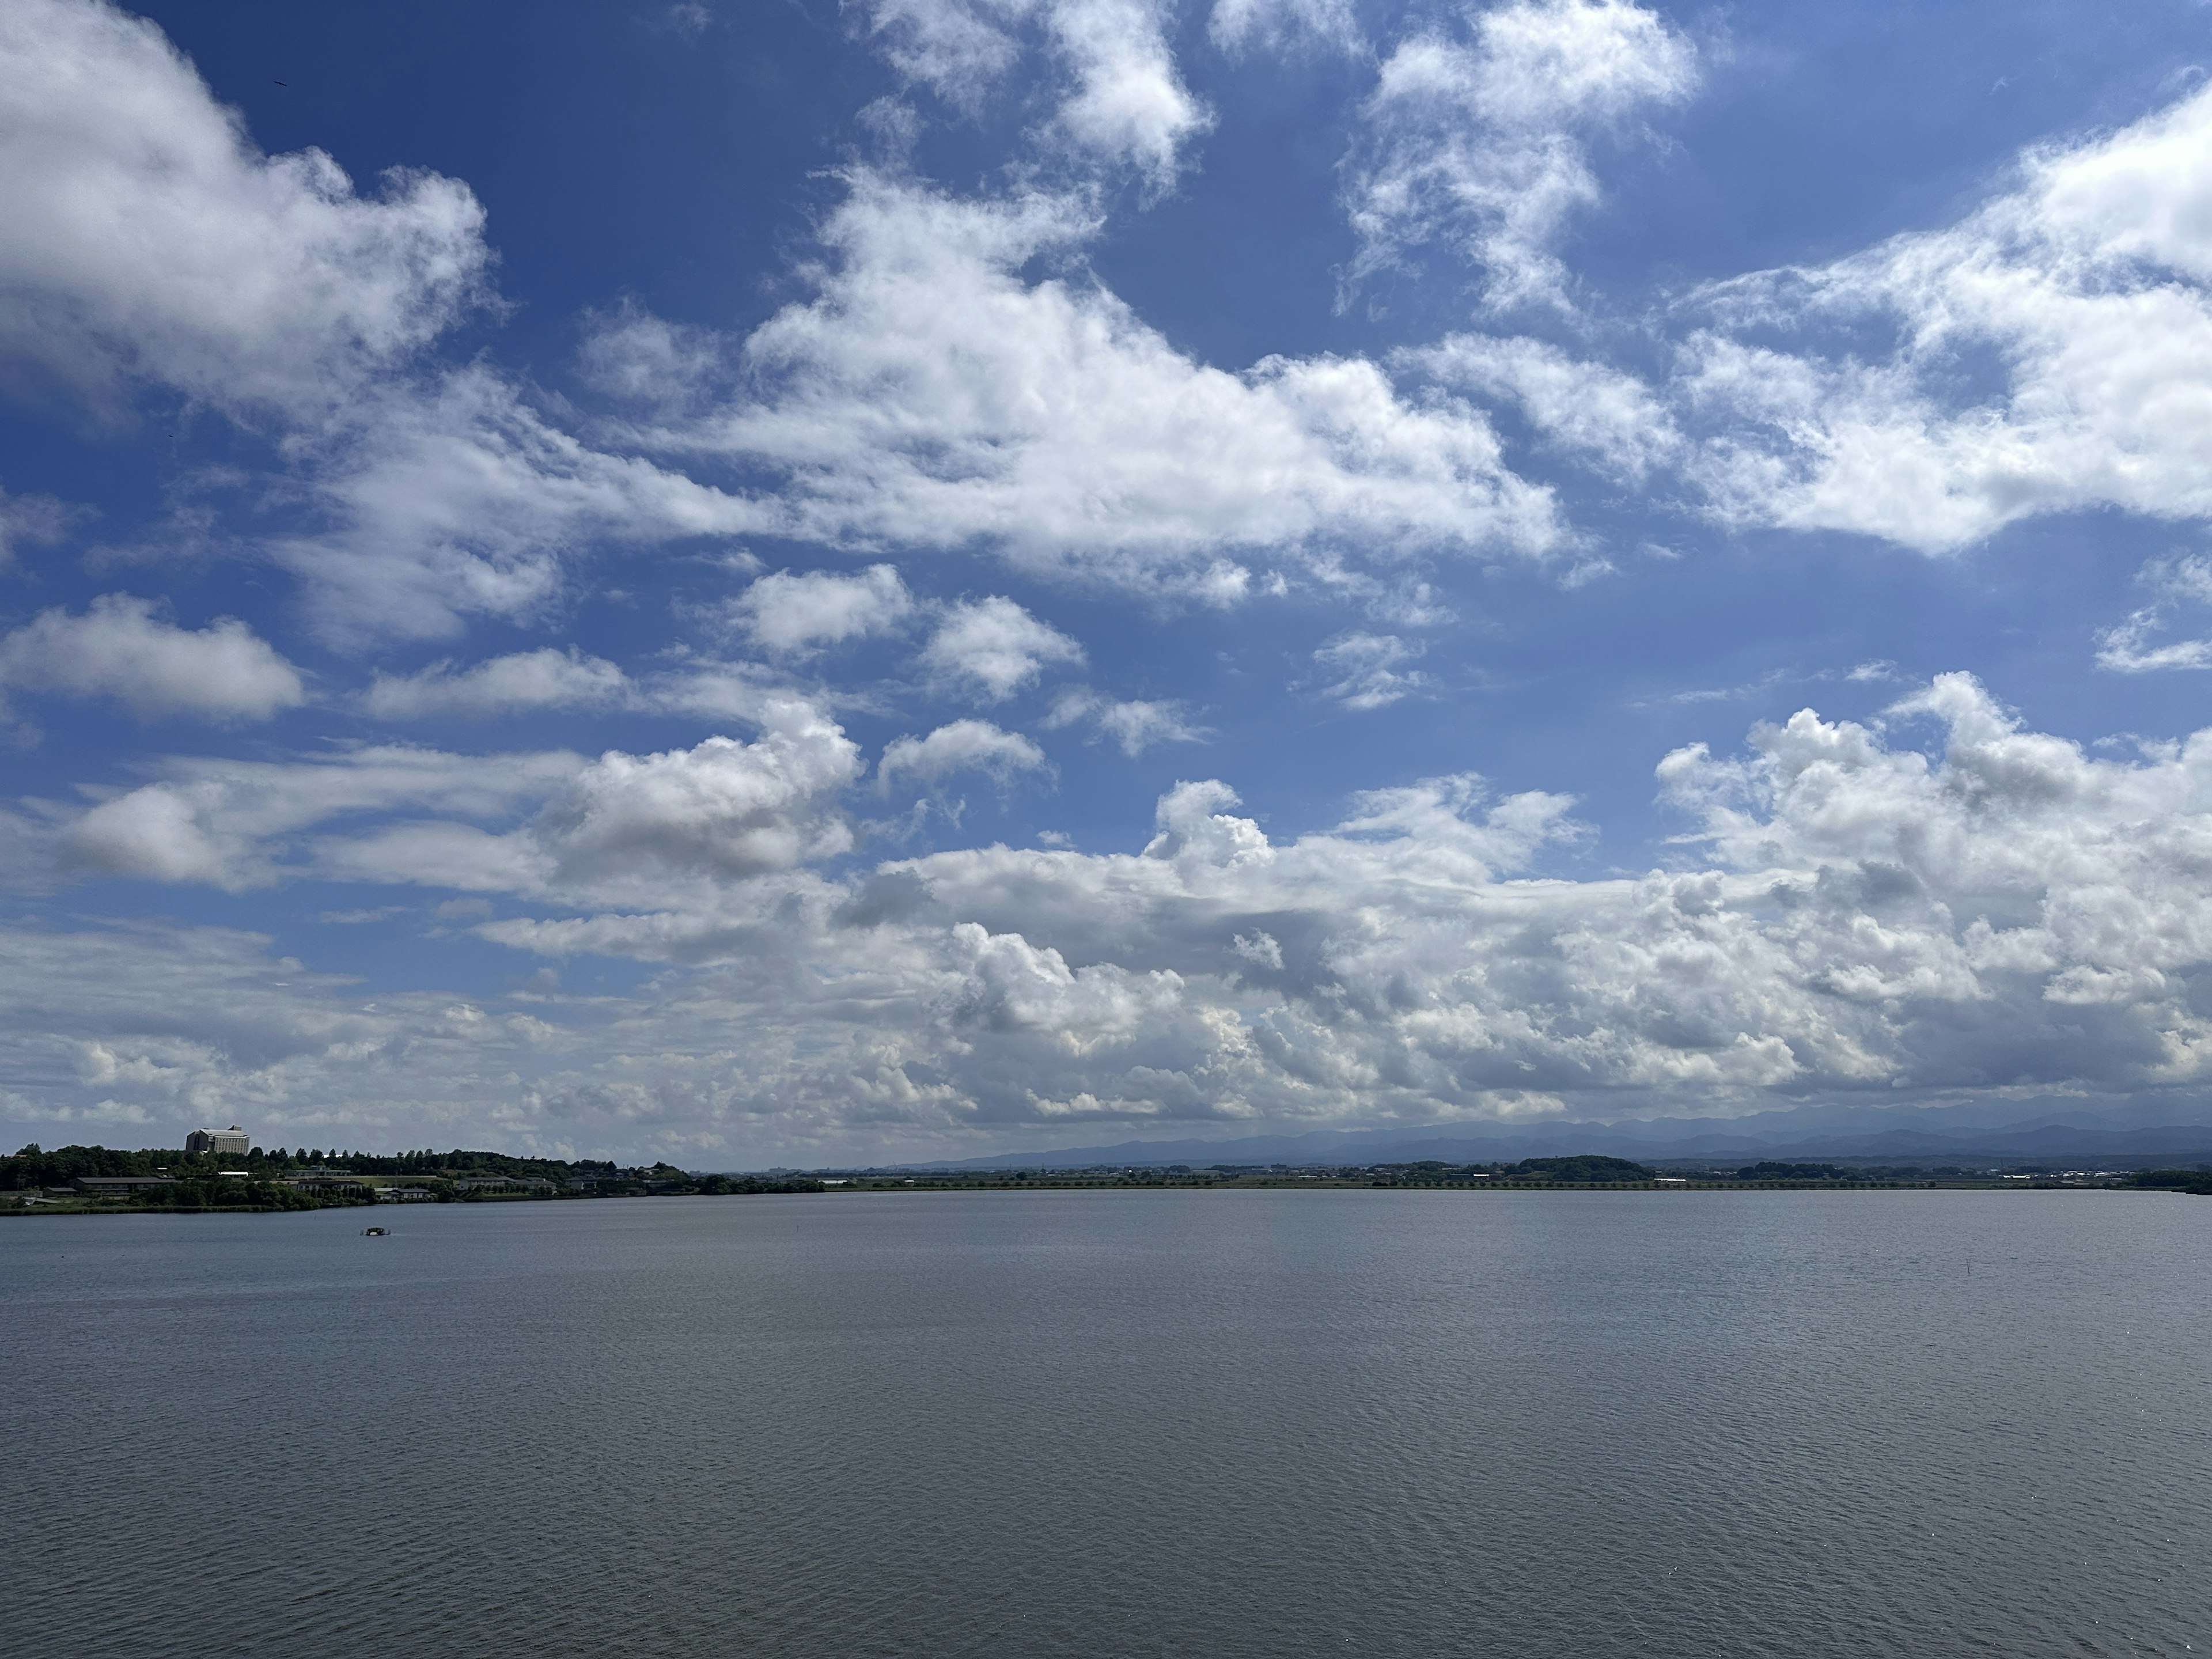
[1072, 1186]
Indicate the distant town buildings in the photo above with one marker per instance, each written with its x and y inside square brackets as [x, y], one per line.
[321, 1178]
[233, 1142]
[123, 1186]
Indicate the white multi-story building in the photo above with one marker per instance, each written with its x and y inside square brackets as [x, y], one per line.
[233, 1142]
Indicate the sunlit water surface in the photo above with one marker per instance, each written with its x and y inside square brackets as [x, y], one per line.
[1244, 1423]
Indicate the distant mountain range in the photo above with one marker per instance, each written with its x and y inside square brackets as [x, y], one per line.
[1902, 1135]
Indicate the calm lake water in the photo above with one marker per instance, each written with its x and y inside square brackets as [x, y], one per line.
[1102, 1424]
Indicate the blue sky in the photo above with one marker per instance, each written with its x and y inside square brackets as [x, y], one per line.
[803, 582]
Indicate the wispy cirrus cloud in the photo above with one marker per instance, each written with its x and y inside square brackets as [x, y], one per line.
[548, 677]
[1370, 670]
[1134, 724]
[2137, 645]
[1240, 27]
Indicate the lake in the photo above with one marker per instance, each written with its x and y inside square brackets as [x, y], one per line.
[1239, 1423]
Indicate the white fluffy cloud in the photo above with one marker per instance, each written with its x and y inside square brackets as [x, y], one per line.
[720, 810]
[546, 678]
[992, 648]
[1594, 412]
[2010, 913]
[2014, 912]
[121, 650]
[933, 396]
[465, 501]
[1119, 98]
[147, 237]
[788, 613]
[1129, 103]
[149, 242]
[1484, 142]
[623, 828]
[2086, 284]
[961, 746]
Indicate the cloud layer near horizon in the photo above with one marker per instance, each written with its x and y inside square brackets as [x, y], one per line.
[1861, 919]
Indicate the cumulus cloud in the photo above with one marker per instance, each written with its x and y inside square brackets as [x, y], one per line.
[1370, 669]
[148, 239]
[722, 810]
[789, 613]
[1129, 104]
[1080, 1007]
[1483, 141]
[1261, 948]
[1868, 917]
[150, 243]
[121, 650]
[547, 678]
[1852, 916]
[961, 746]
[1010, 984]
[626, 830]
[992, 648]
[1135, 725]
[2084, 287]
[930, 395]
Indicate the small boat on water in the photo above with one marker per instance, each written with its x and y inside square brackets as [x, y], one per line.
[375, 1232]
